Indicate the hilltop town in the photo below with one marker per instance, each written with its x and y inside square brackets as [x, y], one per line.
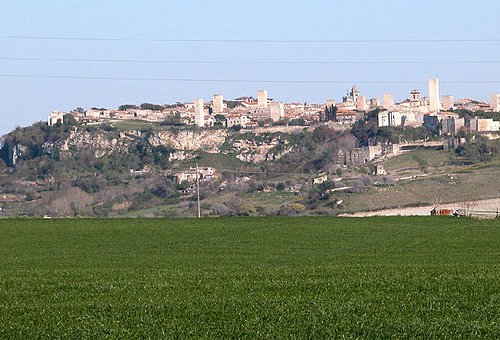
[432, 111]
[254, 156]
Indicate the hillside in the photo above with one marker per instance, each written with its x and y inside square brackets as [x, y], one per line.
[132, 170]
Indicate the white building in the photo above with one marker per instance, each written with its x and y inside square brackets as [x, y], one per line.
[55, 117]
[236, 119]
[434, 104]
[199, 113]
[191, 175]
[383, 118]
[277, 111]
[97, 113]
[495, 102]
[395, 119]
[386, 118]
[482, 124]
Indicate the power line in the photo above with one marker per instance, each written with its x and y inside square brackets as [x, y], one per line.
[284, 41]
[326, 62]
[290, 81]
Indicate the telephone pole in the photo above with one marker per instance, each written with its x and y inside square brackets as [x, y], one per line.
[198, 190]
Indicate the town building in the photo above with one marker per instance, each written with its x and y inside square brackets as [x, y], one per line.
[191, 175]
[395, 118]
[351, 96]
[321, 178]
[346, 117]
[236, 119]
[390, 118]
[55, 117]
[482, 124]
[415, 100]
[383, 118]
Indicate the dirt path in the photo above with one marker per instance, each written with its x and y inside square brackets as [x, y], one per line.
[491, 204]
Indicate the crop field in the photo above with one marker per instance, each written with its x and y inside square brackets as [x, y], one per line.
[250, 278]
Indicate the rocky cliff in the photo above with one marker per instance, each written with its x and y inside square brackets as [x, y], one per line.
[206, 140]
[247, 147]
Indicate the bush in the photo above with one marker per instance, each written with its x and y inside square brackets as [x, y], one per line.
[291, 209]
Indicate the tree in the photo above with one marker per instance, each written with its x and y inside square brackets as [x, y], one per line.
[478, 150]
[291, 209]
[331, 113]
[467, 203]
[126, 107]
[152, 107]
[69, 202]
[297, 122]
[220, 118]
[69, 120]
[280, 186]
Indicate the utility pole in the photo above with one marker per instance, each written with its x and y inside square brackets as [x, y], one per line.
[198, 189]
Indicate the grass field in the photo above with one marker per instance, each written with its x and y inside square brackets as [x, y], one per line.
[256, 277]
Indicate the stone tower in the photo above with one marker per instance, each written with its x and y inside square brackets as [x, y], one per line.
[448, 103]
[277, 111]
[434, 104]
[199, 112]
[495, 102]
[388, 100]
[262, 99]
[361, 104]
[218, 103]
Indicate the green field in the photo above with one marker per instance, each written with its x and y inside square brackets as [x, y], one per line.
[250, 278]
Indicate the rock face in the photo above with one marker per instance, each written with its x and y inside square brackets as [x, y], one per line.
[18, 152]
[248, 147]
[102, 143]
[206, 140]
[256, 151]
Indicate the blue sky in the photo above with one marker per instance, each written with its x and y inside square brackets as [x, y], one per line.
[27, 100]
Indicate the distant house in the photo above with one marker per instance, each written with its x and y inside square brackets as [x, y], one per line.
[204, 173]
[55, 117]
[346, 117]
[320, 179]
[236, 119]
